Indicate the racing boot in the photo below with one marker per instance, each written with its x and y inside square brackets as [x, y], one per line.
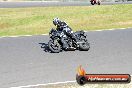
[65, 45]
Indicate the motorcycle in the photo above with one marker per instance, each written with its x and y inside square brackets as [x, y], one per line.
[55, 45]
[93, 2]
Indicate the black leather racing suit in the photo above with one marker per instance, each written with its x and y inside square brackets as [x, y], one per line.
[66, 31]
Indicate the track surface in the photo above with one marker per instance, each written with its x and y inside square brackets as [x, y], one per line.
[25, 60]
[43, 4]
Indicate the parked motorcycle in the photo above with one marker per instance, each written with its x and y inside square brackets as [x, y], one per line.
[56, 46]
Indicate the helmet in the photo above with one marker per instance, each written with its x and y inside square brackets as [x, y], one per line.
[56, 21]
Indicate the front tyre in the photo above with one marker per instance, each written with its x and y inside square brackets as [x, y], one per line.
[54, 46]
[92, 2]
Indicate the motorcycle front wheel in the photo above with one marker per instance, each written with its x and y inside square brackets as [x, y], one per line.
[92, 2]
[54, 46]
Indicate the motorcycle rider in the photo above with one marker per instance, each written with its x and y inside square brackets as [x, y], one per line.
[65, 31]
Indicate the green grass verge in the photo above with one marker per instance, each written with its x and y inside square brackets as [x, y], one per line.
[38, 20]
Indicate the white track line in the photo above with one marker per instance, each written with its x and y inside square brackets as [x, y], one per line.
[44, 84]
[29, 1]
[20, 36]
[47, 34]
[55, 83]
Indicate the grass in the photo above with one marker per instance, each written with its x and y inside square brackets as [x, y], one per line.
[38, 20]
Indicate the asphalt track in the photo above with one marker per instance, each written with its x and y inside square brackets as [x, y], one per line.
[43, 4]
[26, 60]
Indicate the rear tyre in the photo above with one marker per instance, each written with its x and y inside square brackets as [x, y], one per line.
[98, 2]
[85, 46]
[54, 46]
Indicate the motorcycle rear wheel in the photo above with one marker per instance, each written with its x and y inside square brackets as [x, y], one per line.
[98, 2]
[85, 46]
